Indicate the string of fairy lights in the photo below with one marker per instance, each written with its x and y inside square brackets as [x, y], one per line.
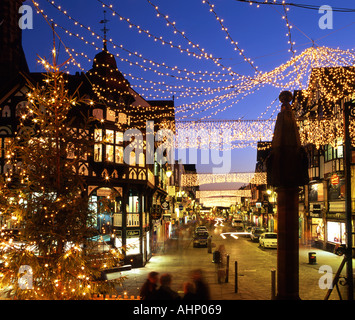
[218, 90]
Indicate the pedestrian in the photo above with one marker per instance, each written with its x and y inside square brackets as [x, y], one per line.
[202, 289]
[209, 244]
[189, 291]
[149, 288]
[165, 292]
[221, 272]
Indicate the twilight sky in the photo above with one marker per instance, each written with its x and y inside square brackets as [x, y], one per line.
[142, 37]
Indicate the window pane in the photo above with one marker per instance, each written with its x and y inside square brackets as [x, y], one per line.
[109, 153]
[119, 154]
[98, 153]
[109, 136]
[132, 246]
[133, 204]
[98, 135]
[132, 219]
[119, 137]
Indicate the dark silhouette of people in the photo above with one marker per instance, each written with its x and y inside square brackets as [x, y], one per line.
[202, 290]
[149, 288]
[165, 292]
[189, 291]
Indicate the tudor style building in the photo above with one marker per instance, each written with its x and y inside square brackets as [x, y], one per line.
[130, 183]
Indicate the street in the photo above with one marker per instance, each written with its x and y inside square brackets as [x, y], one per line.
[254, 268]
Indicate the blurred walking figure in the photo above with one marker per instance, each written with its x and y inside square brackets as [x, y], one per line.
[149, 288]
[202, 289]
[189, 291]
[165, 292]
[221, 268]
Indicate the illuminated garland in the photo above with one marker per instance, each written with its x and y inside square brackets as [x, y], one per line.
[291, 75]
[223, 193]
[198, 179]
[229, 37]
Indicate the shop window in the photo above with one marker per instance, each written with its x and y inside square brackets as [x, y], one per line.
[106, 210]
[118, 242]
[316, 192]
[317, 229]
[336, 191]
[132, 246]
[336, 232]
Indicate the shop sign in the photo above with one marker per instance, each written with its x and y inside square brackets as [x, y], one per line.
[336, 215]
[165, 205]
[334, 180]
[132, 233]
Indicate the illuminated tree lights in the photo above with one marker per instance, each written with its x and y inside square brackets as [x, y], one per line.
[54, 255]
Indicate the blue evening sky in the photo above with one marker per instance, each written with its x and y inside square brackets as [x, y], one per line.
[260, 32]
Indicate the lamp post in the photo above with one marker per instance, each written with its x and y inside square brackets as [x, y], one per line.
[287, 170]
[348, 112]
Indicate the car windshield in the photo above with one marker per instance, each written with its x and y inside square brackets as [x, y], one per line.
[201, 234]
[271, 235]
[259, 231]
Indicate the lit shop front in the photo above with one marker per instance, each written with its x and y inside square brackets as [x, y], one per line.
[122, 215]
[336, 232]
[335, 218]
[316, 214]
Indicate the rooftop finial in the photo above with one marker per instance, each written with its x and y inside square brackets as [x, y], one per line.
[104, 22]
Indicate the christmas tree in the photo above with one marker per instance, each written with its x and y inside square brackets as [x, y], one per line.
[51, 253]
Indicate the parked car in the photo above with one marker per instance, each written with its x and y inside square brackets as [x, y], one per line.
[255, 233]
[268, 240]
[238, 224]
[200, 239]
